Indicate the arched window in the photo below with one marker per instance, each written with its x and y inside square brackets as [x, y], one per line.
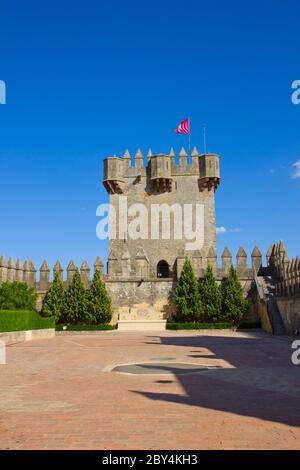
[163, 269]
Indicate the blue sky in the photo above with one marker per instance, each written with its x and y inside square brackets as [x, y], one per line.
[86, 80]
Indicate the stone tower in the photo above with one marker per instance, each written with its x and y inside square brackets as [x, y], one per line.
[161, 186]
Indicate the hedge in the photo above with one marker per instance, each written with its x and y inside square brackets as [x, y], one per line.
[249, 325]
[199, 326]
[23, 320]
[100, 327]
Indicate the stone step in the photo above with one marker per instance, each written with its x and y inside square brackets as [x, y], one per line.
[275, 317]
[142, 325]
[269, 284]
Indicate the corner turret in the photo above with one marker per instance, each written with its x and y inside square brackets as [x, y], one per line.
[209, 171]
[114, 181]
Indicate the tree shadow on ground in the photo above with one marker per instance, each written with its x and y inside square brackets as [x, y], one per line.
[262, 382]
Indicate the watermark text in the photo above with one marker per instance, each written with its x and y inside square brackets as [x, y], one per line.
[295, 97]
[2, 92]
[155, 222]
[296, 354]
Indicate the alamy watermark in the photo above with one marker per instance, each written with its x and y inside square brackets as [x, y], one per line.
[2, 353]
[295, 97]
[155, 222]
[295, 358]
[2, 92]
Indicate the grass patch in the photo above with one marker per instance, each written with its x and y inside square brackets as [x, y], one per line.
[63, 327]
[23, 320]
[198, 326]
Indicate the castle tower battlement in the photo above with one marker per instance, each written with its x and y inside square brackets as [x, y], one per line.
[161, 170]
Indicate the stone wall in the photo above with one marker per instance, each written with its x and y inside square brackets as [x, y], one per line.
[11, 271]
[290, 313]
[149, 297]
[26, 272]
[286, 273]
[261, 310]
[155, 298]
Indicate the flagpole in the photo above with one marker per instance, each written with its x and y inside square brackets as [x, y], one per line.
[189, 149]
[204, 138]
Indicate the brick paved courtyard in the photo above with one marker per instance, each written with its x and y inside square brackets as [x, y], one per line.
[60, 393]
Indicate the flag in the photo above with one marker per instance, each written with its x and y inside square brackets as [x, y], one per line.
[184, 127]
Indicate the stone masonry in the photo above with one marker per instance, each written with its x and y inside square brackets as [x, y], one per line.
[160, 183]
[131, 297]
[286, 273]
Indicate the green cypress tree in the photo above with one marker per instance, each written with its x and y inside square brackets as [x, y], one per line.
[75, 304]
[211, 294]
[187, 296]
[99, 303]
[235, 306]
[54, 300]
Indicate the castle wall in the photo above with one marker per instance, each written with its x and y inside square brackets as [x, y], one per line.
[287, 288]
[290, 313]
[151, 297]
[155, 298]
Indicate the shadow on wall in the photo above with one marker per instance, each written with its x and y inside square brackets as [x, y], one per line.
[263, 383]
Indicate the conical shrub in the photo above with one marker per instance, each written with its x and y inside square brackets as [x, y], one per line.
[211, 295]
[99, 303]
[54, 301]
[187, 296]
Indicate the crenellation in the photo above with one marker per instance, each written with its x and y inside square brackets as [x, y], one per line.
[241, 258]
[139, 161]
[256, 257]
[226, 261]
[71, 270]
[149, 155]
[133, 268]
[183, 159]
[44, 276]
[58, 268]
[98, 265]
[29, 273]
[32, 273]
[26, 270]
[270, 255]
[19, 271]
[85, 271]
[212, 259]
[11, 270]
[3, 269]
